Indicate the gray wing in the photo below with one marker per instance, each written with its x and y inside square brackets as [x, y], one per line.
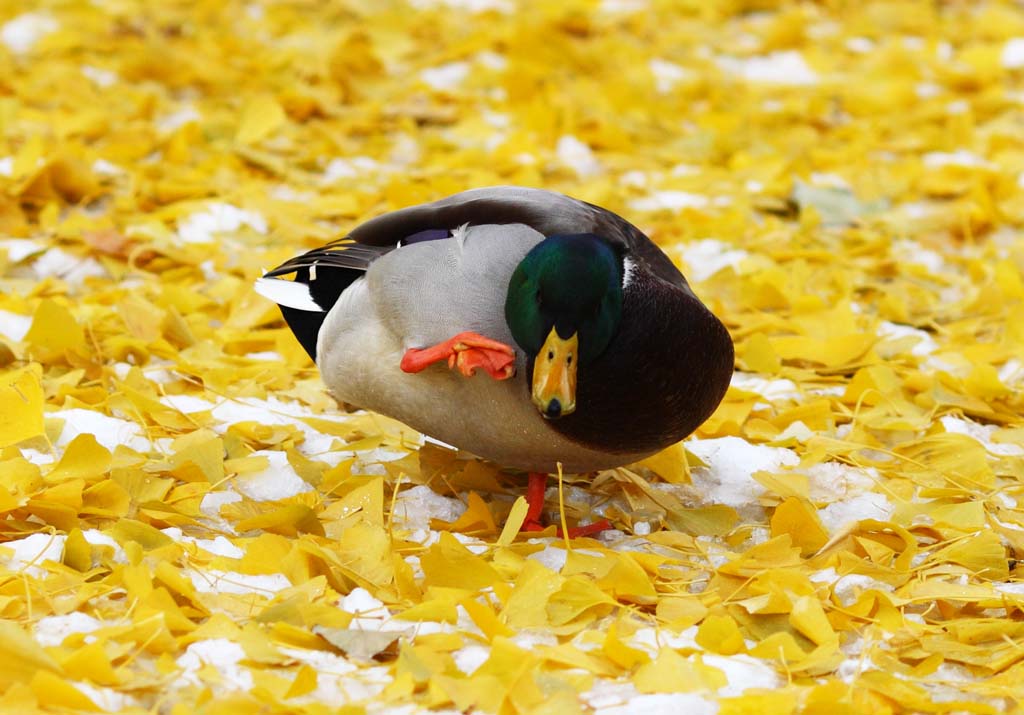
[547, 212]
[427, 292]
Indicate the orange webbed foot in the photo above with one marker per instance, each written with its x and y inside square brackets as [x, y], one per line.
[466, 352]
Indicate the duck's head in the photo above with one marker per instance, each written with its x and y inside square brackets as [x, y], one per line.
[563, 307]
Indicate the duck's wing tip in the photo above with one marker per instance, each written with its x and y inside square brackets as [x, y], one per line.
[290, 294]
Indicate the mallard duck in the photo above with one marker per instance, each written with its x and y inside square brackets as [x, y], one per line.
[520, 325]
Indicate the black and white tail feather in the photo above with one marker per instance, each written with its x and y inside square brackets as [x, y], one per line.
[321, 276]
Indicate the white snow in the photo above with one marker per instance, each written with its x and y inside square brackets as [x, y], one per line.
[1013, 53]
[670, 200]
[352, 168]
[667, 74]
[30, 552]
[51, 631]
[219, 545]
[95, 537]
[224, 655]
[218, 217]
[743, 672]
[786, 67]
[108, 431]
[731, 463]
[99, 76]
[6, 169]
[446, 77]
[769, 389]
[23, 32]
[58, 263]
[869, 505]
[708, 256]
[982, 434]
[633, 703]
[18, 249]
[415, 507]
[278, 481]
[960, 157]
[179, 118]
[14, 326]
[835, 481]
[926, 344]
[214, 581]
[577, 156]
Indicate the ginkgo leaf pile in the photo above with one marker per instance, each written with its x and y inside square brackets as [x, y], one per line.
[190, 524]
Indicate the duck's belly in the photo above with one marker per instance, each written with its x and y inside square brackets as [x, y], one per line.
[490, 418]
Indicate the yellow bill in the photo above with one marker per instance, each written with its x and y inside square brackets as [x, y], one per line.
[554, 375]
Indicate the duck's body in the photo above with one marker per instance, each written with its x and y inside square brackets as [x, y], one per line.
[417, 277]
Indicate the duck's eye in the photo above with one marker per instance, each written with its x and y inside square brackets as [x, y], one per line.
[568, 360]
[551, 354]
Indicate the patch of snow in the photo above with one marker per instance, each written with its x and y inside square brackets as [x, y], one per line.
[95, 537]
[982, 434]
[23, 32]
[870, 505]
[99, 76]
[218, 546]
[218, 217]
[187, 404]
[50, 631]
[551, 557]
[914, 252]
[278, 481]
[58, 263]
[7, 168]
[731, 463]
[786, 67]
[960, 157]
[355, 167]
[213, 501]
[31, 551]
[652, 704]
[926, 344]
[652, 640]
[927, 90]
[670, 200]
[470, 657]
[743, 672]
[18, 249]
[222, 654]
[771, 390]
[175, 120]
[708, 256]
[577, 156]
[1013, 53]
[214, 581]
[446, 77]
[1012, 372]
[14, 326]
[108, 431]
[106, 699]
[102, 166]
[667, 74]
[414, 508]
[834, 481]
[1015, 589]
[860, 45]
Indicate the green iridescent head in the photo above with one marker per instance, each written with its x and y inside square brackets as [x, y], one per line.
[563, 307]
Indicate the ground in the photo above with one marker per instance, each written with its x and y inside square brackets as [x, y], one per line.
[192, 525]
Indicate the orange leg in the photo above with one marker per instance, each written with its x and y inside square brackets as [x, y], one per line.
[466, 352]
[535, 499]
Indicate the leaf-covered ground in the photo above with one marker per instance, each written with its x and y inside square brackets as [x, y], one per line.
[190, 524]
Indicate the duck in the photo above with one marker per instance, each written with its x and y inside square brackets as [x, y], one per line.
[528, 328]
